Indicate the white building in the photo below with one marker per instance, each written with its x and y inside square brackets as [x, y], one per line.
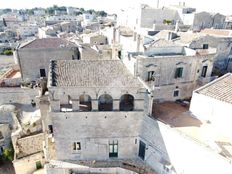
[88, 18]
[24, 31]
[145, 18]
[213, 103]
[39, 12]
[62, 18]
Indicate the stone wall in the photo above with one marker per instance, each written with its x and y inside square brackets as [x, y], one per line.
[94, 130]
[60, 95]
[164, 69]
[32, 60]
[17, 95]
[27, 165]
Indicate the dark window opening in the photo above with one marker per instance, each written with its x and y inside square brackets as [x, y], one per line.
[85, 103]
[142, 148]
[105, 103]
[38, 165]
[1, 150]
[50, 129]
[176, 93]
[33, 104]
[150, 76]
[179, 72]
[204, 71]
[1, 136]
[67, 107]
[205, 46]
[42, 73]
[113, 149]
[120, 54]
[77, 146]
[126, 103]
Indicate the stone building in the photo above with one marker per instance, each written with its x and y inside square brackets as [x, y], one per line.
[172, 72]
[204, 20]
[94, 39]
[34, 57]
[104, 106]
[145, 18]
[28, 154]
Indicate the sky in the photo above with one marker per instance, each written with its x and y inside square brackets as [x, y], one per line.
[222, 6]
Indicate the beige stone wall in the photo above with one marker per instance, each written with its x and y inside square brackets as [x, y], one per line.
[94, 130]
[165, 67]
[32, 60]
[27, 165]
[60, 95]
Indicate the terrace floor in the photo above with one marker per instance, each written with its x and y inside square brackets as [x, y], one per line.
[178, 117]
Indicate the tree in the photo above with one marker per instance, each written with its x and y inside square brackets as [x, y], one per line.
[8, 153]
[8, 52]
[102, 13]
[91, 11]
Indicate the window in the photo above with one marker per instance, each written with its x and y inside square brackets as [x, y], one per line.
[67, 106]
[205, 46]
[42, 73]
[119, 54]
[176, 93]
[142, 148]
[113, 149]
[1, 150]
[50, 129]
[204, 71]
[85, 103]
[179, 72]
[126, 103]
[76, 146]
[105, 103]
[38, 165]
[1, 136]
[150, 76]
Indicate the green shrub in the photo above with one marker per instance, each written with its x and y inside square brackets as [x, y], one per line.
[8, 153]
[8, 52]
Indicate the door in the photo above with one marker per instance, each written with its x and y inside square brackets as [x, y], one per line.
[142, 148]
[42, 73]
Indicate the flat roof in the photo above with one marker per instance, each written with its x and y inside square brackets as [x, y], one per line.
[220, 89]
[179, 118]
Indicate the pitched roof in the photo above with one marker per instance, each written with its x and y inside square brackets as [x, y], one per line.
[163, 43]
[217, 32]
[220, 89]
[91, 73]
[48, 43]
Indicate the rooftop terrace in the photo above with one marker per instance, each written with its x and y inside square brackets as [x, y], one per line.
[178, 117]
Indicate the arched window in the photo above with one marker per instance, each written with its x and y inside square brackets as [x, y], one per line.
[105, 103]
[126, 103]
[67, 105]
[85, 103]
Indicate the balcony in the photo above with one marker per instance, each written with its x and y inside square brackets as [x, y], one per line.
[204, 80]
